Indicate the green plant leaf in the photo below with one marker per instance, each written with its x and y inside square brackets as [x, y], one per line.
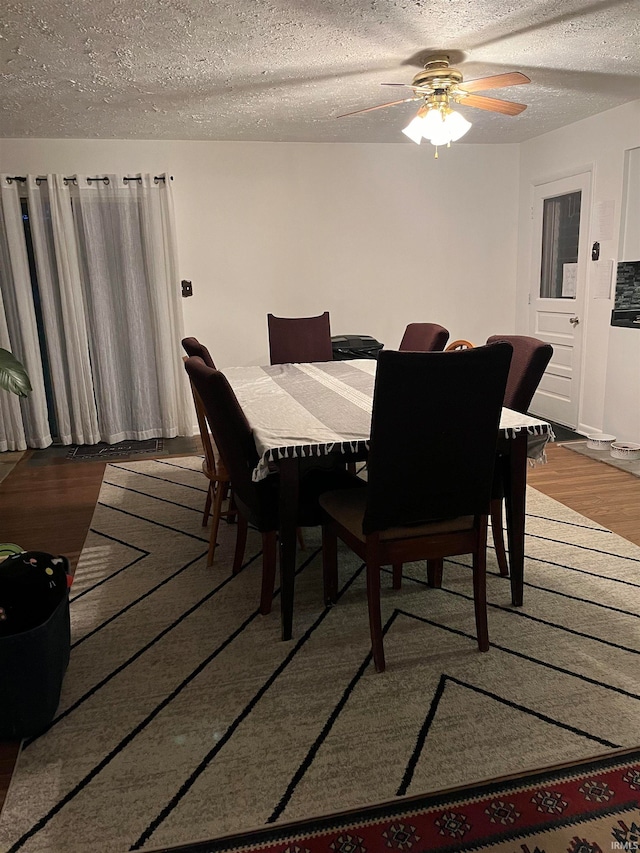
[13, 376]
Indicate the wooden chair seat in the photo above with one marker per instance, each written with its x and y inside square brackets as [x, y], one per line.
[350, 507]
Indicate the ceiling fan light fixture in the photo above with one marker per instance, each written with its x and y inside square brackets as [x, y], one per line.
[414, 129]
[438, 124]
[457, 125]
[433, 123]
[443, 125]
[441, 138]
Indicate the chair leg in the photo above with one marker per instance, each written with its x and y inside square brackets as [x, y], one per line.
[232, 513]
[397, 575]
[498, 536]
[434, 572]
[300, 538]
[480, 591]
[241, 541]
[330, 563]
[375, 616]
[269, 551]
[207, 503]
[215, 522]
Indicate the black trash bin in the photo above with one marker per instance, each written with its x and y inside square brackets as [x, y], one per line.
[33, 659]
[354, 346]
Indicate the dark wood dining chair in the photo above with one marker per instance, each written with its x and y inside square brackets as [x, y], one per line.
[299, 339]
[212, 465]
[528, 364]
[256, 503]
[458, 345]
[192, 346]
[424, 337]
[431, 458]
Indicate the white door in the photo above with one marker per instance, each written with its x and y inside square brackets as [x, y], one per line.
[557, 294]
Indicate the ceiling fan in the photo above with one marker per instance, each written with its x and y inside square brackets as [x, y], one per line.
[438, 85]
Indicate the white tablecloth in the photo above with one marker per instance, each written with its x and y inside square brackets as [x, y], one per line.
[304, 410]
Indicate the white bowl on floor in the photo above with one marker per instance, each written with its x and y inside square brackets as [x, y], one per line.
[625, 450]
[600, 441]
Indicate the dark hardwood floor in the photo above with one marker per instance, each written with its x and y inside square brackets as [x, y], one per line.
[47, 503]
[48, 507]
[599, 491]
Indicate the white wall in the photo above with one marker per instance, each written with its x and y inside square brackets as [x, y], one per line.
[630, 224]
[379, 235]
[610, 396]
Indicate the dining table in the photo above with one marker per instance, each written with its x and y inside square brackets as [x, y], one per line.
[301, 411]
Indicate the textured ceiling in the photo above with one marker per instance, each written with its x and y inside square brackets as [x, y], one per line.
[283, 70]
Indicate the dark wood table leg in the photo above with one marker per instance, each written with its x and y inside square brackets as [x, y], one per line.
[289, 481]
[515, 487]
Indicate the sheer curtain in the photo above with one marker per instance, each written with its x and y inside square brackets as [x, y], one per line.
[106, 261]
[126, 235]
[63, 313]
[23, 422]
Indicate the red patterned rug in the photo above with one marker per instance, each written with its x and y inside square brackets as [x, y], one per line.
[587, 807]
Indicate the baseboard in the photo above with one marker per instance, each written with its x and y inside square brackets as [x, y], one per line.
[588, 430]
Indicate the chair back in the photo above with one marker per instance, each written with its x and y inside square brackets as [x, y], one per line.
[234, 439]
[299, 339]
[459, 344]
[434, 431]
[424, 337]
[193, 347]
[528, 364]
[203, 429]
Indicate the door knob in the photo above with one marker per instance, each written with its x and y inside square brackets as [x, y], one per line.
[574, 321]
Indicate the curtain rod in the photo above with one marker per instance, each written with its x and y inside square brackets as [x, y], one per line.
[105, 180]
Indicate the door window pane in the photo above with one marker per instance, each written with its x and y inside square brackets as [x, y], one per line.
[560, 231]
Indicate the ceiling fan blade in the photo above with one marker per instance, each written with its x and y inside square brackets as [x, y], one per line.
[498, 81]
[379, 107]
[419, 90]
[496, 105]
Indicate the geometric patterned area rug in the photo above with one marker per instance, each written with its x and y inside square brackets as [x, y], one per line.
[581, 808]
[185, 719]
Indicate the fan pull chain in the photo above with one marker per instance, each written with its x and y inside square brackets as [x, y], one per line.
[436, 154]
